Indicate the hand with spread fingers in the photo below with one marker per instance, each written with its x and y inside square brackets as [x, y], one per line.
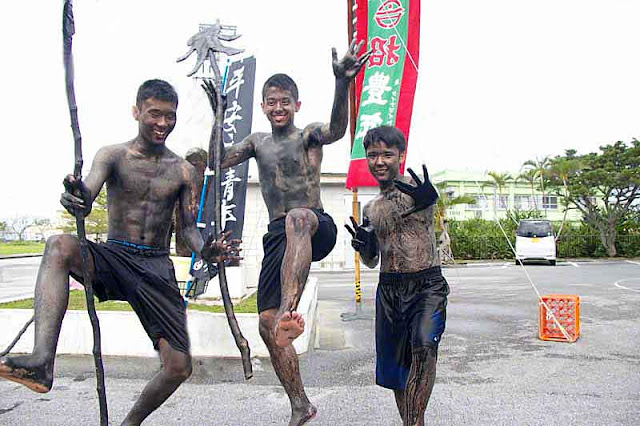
[77, 197]
[424, 194]
[349, 66]
[221, 249]
[210, 89]
[364, 239]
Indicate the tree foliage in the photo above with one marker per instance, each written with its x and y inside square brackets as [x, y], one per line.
[500, 180]
[530, 176]
[603, 186]
[20, 224]
[41, 225]
[96, 223]
[483, 239]
[540, 168]
[446, 199]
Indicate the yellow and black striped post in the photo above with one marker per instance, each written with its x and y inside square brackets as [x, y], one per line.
[356, 260]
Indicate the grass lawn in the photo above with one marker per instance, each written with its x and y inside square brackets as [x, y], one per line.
[21, 247]
[77, 302]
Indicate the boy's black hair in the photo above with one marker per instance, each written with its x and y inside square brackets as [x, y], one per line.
[283, 82]
[158, 89]
[387, 134]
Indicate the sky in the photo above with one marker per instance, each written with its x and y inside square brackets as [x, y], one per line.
[500, 81]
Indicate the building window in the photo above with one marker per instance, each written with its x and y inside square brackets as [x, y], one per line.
[480, 204]
[451, 192]
[550, 202]
[525, 202]
[501, 202]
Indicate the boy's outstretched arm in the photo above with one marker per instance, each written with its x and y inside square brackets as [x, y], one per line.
[344, 70]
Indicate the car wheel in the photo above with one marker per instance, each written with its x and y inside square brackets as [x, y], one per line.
[552, 262]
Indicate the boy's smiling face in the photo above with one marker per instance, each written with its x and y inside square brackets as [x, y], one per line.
[384, 161]
[279, 106]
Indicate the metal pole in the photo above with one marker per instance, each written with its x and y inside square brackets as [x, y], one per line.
[356, 260]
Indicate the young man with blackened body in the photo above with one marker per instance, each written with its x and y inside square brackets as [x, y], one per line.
[299, 231]
[411, 299]
[144, 181]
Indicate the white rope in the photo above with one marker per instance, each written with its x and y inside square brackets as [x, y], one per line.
[533, 285]
[402, 41]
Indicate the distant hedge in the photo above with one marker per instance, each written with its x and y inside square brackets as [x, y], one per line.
[483, 239]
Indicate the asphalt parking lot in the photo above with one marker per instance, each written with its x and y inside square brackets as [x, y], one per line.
[492, 368]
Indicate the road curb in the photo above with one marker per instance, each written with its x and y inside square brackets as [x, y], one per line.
[18, 256]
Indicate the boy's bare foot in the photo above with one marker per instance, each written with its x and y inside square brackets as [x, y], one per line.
[288, 327]
[35, 378]
[302, 417]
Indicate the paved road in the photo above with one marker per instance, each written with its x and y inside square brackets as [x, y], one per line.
[492, 369]
[18, 277]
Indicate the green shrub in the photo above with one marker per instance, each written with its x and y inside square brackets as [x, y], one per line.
[483, 239]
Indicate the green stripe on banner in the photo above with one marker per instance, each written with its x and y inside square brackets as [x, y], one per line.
[387, 32]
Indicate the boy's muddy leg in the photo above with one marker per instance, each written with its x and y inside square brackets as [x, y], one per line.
[300, 226]
[285, 363]
[35, 371]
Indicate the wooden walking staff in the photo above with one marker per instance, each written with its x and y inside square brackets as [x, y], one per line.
[207, 45]
[68, 29]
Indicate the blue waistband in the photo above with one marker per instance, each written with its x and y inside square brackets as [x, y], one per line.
[133, 245]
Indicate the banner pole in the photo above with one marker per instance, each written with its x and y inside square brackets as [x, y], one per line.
[349, 316]
[352, 131]
[356, 260]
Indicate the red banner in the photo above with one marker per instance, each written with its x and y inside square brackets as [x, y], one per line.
[386, 88]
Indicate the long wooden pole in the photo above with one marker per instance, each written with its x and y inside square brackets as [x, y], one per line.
[215, 150]
[68, 29]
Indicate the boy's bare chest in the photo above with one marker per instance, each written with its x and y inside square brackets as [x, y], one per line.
[146, 178]
[288, 158]
[385, 214]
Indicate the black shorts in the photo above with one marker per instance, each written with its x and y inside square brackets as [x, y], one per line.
[275, 244]
[145, 278]
[411, 310]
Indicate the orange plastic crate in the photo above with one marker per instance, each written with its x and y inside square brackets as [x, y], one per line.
[566, 309]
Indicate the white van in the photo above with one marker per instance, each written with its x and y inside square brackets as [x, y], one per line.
[535, 241]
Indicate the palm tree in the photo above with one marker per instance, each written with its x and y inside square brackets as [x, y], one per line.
[540, 166]
[562, 169]
[530, 177]
[500, 181]
[445, 201]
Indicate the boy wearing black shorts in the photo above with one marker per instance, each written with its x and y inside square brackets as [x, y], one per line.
[411, 299]
[145, 181]
[299, 231]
